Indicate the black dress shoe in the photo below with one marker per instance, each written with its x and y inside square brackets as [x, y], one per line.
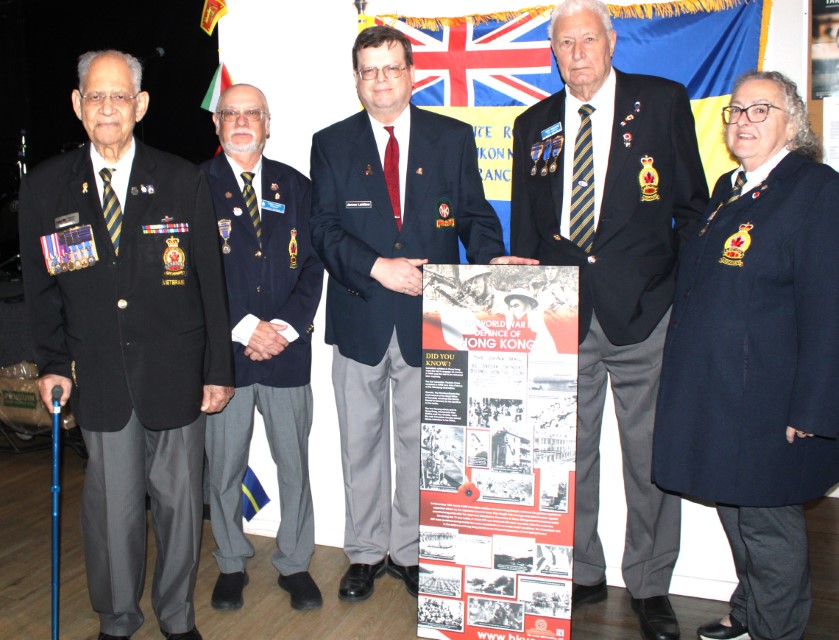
[409, 574]
[227, 594]
[718, 631]
[304, 592]
[108, 636]
[192, 634]
[658, 621]
[588, 594]
[357, 583]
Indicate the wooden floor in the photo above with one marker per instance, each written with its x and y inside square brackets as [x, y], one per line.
[25, 552]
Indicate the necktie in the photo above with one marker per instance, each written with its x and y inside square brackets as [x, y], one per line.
[250, 202]
[111, 208]
[392, 176]
[738, 187]
[582, 179]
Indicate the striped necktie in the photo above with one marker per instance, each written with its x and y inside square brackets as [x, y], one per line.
[250, 202]
[582, 180]
[738, 187]
[111, 208]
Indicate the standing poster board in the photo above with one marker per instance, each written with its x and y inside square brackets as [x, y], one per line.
[498, 443]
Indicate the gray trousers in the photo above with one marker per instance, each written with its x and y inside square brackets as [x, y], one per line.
[379, 521]
[122, 467]
[769, 544]
[653, 517]
[287, 413]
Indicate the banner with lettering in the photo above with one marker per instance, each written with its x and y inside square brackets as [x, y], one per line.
[498, 445]
[487, 69]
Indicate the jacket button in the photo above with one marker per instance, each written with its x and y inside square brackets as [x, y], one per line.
[397, 246]
[259, 288]
[122, 303]
[592, 259]
[557, 237]
[258, 254]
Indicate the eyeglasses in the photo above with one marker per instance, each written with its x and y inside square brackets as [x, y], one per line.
[390, 72]
[754, 113]
[120, 98]
[251, 115]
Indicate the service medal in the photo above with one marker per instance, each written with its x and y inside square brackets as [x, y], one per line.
[556, 148]
[535, 154]
[292, 250]
[224, 227]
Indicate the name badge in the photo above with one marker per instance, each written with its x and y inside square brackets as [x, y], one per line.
[279, 207]
[551, 131]
[359, 204]
[67, 221]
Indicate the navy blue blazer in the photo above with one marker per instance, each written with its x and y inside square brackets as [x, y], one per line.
[353, 225]
[130, 334]
[628, 277]
[271, 282]
[753, 346]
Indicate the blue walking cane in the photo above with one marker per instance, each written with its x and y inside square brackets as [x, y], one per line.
[56, 489]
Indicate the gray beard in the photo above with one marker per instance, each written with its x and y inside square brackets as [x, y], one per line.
[251, 147]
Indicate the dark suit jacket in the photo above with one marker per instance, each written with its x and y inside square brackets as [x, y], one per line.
[353, 225]
[754, 347]
[130, 334]
[627, 279]
[267, 283]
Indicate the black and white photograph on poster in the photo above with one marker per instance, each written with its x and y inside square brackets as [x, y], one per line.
[555, 289]
[461, 287]
[554, 560]
[477, 448]
[437, 543]
[504, 487]
[474, 551]
[543, 597]
[495, 412]
[490, 582]
[497, 375]
[554, 422]
[439, 613]
[512, 553]
[553, 489]
[549, 378]
[511, 449]
[444, 387]
[496, 614]
[440, 580]
[441, 457]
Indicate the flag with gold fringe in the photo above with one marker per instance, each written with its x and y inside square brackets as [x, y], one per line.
[253, 495]
[214, 10]
[487, 69]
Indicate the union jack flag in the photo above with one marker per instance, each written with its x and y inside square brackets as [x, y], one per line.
[494, 64]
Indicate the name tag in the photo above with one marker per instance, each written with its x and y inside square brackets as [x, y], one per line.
[359, 204]
[551, 131]
[279, 207]
[67, 221]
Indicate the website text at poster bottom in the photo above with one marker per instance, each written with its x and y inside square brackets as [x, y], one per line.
[497, 520]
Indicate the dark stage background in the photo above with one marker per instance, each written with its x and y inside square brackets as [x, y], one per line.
[40, 42]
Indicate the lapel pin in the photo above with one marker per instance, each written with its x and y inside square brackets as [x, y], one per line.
[275, 186]
[84, 187]
[419, 171]
[134, 191]
[368, 170]
[228, 195]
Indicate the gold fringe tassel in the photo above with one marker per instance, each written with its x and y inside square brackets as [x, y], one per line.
[646, 11]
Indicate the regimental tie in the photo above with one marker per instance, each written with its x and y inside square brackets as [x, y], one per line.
[736, 190]
[392, 176]
[250, 202]
[738, 187]
[111, 208]
[582, 194]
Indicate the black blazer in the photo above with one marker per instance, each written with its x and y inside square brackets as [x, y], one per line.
[128, 332]
[269, 283]
[628, 277]
[353, 224]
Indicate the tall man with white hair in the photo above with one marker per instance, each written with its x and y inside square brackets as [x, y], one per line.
[125, 289]
[274, 282]
[626, 188]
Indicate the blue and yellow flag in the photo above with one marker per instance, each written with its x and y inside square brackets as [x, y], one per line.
[487, 69]
[253, 495]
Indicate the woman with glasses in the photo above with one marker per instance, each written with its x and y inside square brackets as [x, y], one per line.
[748, 413]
